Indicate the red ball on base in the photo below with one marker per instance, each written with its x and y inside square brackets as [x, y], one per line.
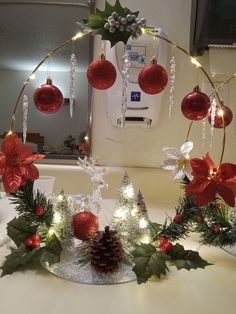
[85, 225]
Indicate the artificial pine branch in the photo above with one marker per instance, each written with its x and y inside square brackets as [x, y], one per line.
[178, 230]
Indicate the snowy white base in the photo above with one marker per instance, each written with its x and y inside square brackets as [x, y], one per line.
[68, 268]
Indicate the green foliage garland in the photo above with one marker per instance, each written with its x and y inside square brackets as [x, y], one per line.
[27, 224]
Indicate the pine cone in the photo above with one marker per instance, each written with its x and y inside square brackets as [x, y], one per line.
[106, 250]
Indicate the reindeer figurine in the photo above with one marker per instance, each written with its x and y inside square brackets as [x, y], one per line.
[96, 174]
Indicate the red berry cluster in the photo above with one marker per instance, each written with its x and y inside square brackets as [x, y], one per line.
[39, 211]
[178, 218]
[217, 229]
[33, 242]
[165, 245]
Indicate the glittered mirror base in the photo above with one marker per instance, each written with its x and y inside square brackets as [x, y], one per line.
[68, 268]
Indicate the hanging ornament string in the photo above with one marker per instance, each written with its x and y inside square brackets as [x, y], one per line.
[151, 32]
[172, 81]
[203, 132]
[25, 117]
[32, 75]
[125, 78]
[213, 114]
[73, 64]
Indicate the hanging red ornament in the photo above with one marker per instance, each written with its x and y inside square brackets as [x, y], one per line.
[195, 105]
[223, 116]
[85, 225]
[48, 98]
[153, 78]
[101, 73]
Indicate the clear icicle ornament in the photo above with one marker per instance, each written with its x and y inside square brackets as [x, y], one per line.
[213, 114]
[172, 84]
[25, 117]
[203, 132]
[73, 63]
[125, 77]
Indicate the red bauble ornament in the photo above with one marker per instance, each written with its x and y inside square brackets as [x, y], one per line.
[101, 73]
[222, 112]
[153, 78]
[195, 105]
[39, 211]
[48, 98]
[85, 225]
[178, 218]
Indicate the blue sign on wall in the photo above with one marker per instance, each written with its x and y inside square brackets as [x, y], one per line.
[135, 96]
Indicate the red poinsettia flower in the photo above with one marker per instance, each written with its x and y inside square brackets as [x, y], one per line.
[208, 180]
[16, 165]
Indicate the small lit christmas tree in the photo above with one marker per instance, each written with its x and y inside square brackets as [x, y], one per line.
[62, 217]
[129, 220]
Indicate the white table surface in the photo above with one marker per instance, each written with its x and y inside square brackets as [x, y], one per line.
[209, 291]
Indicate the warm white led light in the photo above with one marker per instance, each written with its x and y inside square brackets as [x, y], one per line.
[220, 113]
[145, 239]
[32, 76]
[195, 62]
[86, 138]
[51, 231]
[60, 198]
[79, 35]
[143, 223]
[134, 211]
[120, 213]
[57, 217]
[128, 191]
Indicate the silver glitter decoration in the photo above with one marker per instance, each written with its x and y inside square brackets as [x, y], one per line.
[69, 268]
[172, 84]
[213, 114]
[203, 132]
[73, 63]
[125, 78]
[129, 23]
[25, 117]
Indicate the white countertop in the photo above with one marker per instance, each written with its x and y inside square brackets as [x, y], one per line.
[209, 291]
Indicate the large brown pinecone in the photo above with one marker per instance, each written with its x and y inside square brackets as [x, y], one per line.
[106, 250]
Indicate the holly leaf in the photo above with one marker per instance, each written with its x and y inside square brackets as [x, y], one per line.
[53, 250]
[155, 228]
[19, 230]
[98, 20]
[186, 259]
[19, 257]
[149, 262]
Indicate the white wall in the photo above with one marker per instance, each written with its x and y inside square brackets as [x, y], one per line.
[55, 127]
[143, 148]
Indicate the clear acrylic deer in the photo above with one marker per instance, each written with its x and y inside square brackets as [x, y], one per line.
[97, 178]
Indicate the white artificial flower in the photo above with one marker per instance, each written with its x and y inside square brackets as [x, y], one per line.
[178, 161]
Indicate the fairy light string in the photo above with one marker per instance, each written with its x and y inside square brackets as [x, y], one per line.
[151, 32]
[32, 75]
[148, 31]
